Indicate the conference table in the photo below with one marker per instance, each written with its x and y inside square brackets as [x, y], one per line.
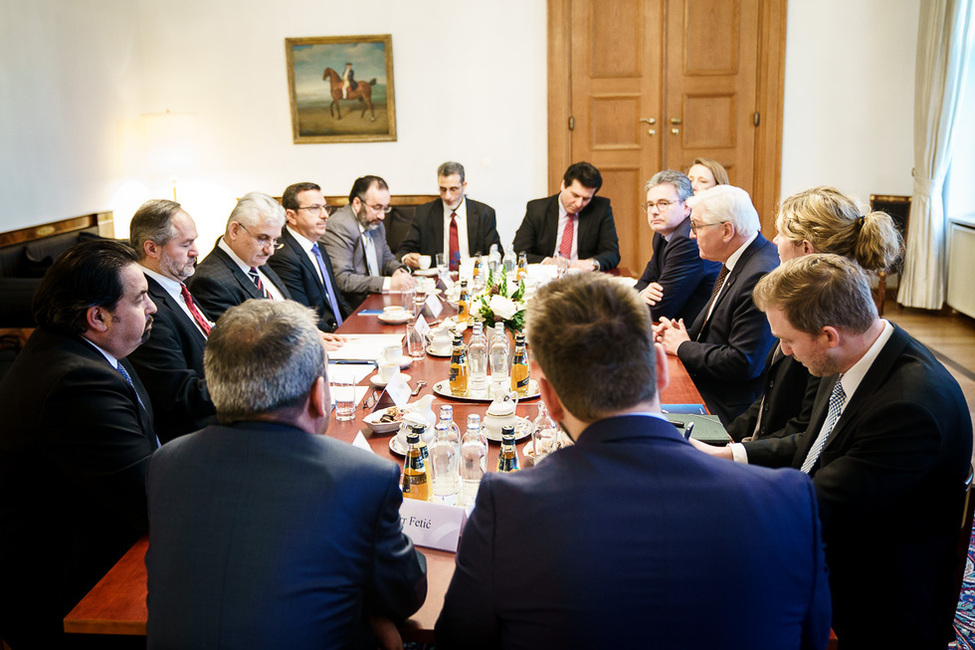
[117, 604]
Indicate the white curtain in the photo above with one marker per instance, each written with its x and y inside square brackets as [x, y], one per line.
[943, 48]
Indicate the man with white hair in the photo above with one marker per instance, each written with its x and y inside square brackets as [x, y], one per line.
[236, 269]
[724, 349]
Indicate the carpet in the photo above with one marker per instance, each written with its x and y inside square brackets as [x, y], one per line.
[965, 616]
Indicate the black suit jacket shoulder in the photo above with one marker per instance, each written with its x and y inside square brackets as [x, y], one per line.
[74, 446]
[170, 364]
[726, 354]
[686, 278]
[219, 284]
[301, 278]
[426, 231]
[597, 238]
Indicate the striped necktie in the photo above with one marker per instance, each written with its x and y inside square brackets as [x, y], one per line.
[836, 401]
[202, 322]
[565, 246]
[256, 279]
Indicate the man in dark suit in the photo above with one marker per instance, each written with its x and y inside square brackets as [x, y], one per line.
[536, 568]
[575, 224]
[724, 350]
[453, 224]
[75, 438]
[170, 363]
[264, 532]
[236, 270]
[677, 282]
[303, 263]
[888, 447]
[356, 242]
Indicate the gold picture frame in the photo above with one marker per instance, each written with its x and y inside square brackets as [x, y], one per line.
[329, 105]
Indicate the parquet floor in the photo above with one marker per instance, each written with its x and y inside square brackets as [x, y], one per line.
[951, 336]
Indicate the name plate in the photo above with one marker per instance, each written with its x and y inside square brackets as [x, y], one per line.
[434, 525]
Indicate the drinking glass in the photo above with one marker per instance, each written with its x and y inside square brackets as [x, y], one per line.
[342, 383]
[414, 341]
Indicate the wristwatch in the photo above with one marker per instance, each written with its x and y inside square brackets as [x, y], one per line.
[595, 264]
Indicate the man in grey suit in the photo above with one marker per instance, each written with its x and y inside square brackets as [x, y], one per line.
[264, 532]
[356, 243]
[453, 224]
[235, 269]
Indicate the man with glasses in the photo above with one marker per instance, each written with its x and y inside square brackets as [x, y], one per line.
[236, 270]
[303, 263]
[677, 282]
[724, 349]
[356, 243]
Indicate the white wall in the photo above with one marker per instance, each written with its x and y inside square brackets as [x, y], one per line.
[76, 77]
[224, 61]
[849, 96]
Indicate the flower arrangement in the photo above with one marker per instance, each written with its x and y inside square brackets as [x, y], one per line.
[500, 302]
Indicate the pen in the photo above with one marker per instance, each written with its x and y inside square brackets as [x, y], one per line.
[687, 431]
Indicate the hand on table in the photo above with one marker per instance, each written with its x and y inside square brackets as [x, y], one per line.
[652, 294]
[332, 342]
[670, 334]
[401, 280]
[711, 450]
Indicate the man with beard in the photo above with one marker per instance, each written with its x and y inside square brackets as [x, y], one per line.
[170, 363]
[75, 439]
[356, 243]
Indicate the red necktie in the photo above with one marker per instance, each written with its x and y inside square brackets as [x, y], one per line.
[197, 314]
[565, 248]
[454, 243]
[256, 279]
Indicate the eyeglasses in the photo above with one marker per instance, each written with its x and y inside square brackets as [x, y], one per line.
[263, 240]
[662, 204]
[316, 209]
[697, 226]
[386, 209]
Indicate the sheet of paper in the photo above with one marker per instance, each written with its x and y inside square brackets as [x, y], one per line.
[360, 392]
[434, 306]
[365, 347]
[355, 372]
[399, 390]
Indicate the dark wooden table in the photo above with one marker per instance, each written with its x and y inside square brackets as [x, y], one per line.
[117, 604]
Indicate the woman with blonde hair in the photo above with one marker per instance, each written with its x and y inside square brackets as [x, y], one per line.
[818, 220]
[706, 173]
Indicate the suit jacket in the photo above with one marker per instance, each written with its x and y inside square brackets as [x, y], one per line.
[726, 353]
[345, 246]
[687, 279]
[785, 405]
[264, 536]
[538, 231]
[426, 232]
[219, 284]
[301, 277]
[536, 568]
[890, 486]
[74, 445]
[170, 365]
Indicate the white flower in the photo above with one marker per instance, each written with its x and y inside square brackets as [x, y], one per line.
[503, 308]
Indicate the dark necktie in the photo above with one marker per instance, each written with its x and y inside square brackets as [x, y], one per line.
[256, 279]
[128, 379]
[454, 243]
[718, 283]
[836, 401]
[194, 310]
[329, 289]
[565, 247]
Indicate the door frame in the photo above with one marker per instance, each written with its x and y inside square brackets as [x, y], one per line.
[770, 85]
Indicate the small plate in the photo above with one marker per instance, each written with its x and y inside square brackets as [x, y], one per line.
[433, 353]
[379, 383]
[397, 318]
[523, 429]
[373, 424]
[425, 273]
[396, 446]
[442, 388]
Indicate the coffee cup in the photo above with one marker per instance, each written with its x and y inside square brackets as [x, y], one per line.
[424, 262]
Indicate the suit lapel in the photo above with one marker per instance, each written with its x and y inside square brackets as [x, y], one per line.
[160, 295]
[145, 409]
[304, 260]
[551, 228]
[473, 227]
[436, 222]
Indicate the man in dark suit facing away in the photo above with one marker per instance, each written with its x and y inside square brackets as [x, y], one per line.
[536, 567]
[75, 439]
[454, 225]
[574, 224]
[170, 363]
[724, 349]
[263, 531]
[303, 263]
[236, 269]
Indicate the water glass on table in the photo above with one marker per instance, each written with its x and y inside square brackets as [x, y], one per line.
[342, 386]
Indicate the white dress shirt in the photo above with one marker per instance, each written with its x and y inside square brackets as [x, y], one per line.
[268, 285]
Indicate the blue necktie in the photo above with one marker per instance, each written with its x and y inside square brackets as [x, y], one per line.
[329, 289]
[128, 379]
[836, 400]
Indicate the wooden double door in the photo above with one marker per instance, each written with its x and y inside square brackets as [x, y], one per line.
[636, 86]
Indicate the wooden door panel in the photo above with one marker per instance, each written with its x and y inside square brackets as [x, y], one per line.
[624, 186]
[615, 123]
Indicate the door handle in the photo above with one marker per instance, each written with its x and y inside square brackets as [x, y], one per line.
[650, 121]
[675, 131]
[675, 120]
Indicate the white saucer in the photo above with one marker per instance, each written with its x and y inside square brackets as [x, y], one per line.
[434, 353]
[376, 381]
[397, 318]
[425, 273]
